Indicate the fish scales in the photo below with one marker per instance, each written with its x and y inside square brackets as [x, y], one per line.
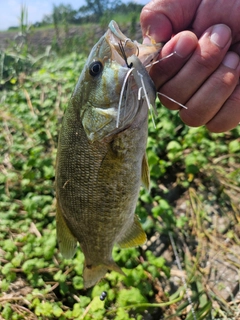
[100, 166]
[85, 169]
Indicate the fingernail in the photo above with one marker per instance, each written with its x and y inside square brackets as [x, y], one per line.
[184, 47]
[220, 35]
[231, 60]
[147, 40]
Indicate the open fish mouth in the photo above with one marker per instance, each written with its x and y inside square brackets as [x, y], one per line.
[123, 47]
[127, 53]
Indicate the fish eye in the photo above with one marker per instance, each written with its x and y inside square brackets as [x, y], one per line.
[95, 68]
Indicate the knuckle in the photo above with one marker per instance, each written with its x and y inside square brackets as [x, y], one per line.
[207, 62]
[192, 119]
[226, 82]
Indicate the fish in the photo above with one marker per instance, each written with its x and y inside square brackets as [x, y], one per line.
[101, 156]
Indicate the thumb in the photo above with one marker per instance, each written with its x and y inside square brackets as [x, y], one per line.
[161, 19]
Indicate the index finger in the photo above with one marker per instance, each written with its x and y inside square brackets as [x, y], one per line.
[161, 19]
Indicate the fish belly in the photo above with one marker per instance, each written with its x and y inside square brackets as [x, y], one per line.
[97, 190]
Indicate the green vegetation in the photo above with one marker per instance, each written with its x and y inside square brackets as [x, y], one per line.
[63, 31]
[94, 11]
[193, 208]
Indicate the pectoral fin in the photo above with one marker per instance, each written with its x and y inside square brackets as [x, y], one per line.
[145, 172]
[135, 236]
[66, 241]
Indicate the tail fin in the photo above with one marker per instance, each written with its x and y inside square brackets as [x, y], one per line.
[92, 274]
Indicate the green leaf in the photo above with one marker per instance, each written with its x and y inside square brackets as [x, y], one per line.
[131, 296]
[174, 145]
[234, 146]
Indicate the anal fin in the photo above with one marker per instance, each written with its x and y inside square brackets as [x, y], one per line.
[66, 241]
[135, 236]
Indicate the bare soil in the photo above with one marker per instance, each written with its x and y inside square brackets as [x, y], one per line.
[39, 39]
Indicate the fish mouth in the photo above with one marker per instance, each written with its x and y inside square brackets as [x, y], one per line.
[123, 47]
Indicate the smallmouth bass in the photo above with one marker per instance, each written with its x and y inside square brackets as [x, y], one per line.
[101, 158]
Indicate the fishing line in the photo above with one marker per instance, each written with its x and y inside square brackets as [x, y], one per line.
[162, 94]
[139, 93]
[163, 58]
[121, 96]
[183, 279]
[171, 99]
[146, 97]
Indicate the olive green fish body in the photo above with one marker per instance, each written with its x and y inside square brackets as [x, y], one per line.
[100, 165]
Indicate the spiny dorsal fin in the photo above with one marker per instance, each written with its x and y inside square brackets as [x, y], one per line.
[66, 241]
[145, 172]
[135, 236]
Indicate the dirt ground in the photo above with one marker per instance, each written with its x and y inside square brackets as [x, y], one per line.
[40, 39]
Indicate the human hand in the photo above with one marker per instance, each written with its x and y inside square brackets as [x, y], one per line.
[204, 74]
